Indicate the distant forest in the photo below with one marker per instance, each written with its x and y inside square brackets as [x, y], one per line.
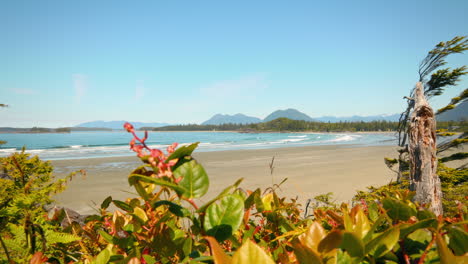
[288, 125]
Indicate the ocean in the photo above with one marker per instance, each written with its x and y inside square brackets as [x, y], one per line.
[81, 145]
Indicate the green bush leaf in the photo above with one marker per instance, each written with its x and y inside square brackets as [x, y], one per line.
[194, 181]
[353, 245]
[330, 242]
[223, 218]
[183, 151]
[383, 243]
[397, 210]
[225, 192]
[173, 208]
[106, 202]
[458, 240]
[406, 229]
[122, 205]
[103, 257]
[250, 253]
[133, 178]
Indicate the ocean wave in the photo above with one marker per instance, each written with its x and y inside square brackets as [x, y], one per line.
[8, 150]
[343, 138]
[302, 136]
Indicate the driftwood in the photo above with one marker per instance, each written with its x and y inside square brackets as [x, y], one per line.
[422, 153]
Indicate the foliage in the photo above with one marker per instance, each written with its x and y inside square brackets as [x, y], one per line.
[285, 124]
[169, 223]
[27, 185]
[439, 80]
[454, 102]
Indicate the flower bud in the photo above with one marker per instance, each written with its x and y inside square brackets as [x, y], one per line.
[128, 127]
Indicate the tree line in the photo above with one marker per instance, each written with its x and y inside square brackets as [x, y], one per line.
[285, 125]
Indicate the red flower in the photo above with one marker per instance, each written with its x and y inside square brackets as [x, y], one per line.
[172, 148]
[128, 127]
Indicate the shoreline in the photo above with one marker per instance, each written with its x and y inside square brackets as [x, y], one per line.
[311, 171]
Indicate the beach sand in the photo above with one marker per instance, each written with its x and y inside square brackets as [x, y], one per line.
[310, 171]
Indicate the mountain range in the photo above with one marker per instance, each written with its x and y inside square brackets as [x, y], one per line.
[119, 124]
[294, 114]
[457, 114]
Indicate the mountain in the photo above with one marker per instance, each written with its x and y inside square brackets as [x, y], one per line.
[356, 118]
[220, 119]
[459, 113]
[119, 124]
[288, 113]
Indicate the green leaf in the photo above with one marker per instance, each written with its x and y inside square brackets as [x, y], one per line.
[225, 192]
[223, 218]
[182, 152]
[458, 240]
[446, 256]
[173, 208]
[383, 243]
[141, 214]
[330, 242]
[149, 259]
[406, 229]
[194, 181]
[103, 257]
[141, 191]
[250, 253]
[250, 201]
[353, 245]
[122, 205]
[397, 210]
[133, 178]
[106, 202]
[106, 236]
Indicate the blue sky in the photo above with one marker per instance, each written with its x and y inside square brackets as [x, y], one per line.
[66, 62]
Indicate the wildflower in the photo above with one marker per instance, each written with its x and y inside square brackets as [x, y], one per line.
[172, 148]
[129, 127]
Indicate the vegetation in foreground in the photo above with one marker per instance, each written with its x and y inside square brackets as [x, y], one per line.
[167, 224]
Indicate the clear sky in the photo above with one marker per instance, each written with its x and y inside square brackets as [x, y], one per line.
[66, 62]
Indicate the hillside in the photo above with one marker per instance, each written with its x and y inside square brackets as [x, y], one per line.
[290, 113]
[459, 113]
[220, 119]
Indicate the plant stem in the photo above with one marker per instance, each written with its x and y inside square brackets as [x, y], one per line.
[192, 203]
[6, 250]
[423, 256]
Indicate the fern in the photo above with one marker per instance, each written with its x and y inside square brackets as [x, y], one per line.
[54, 237]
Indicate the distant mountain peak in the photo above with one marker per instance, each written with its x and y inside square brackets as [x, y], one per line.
[290, 113]
[239, 118]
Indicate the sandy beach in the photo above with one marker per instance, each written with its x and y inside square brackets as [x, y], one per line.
[310, 171]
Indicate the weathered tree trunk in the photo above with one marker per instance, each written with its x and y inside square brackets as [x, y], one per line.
[422, 153]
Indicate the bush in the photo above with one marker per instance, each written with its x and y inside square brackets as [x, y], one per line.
[167, 223]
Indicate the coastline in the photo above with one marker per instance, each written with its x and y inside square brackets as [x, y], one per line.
[311, 171]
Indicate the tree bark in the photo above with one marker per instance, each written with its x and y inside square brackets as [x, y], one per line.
[422, 154]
